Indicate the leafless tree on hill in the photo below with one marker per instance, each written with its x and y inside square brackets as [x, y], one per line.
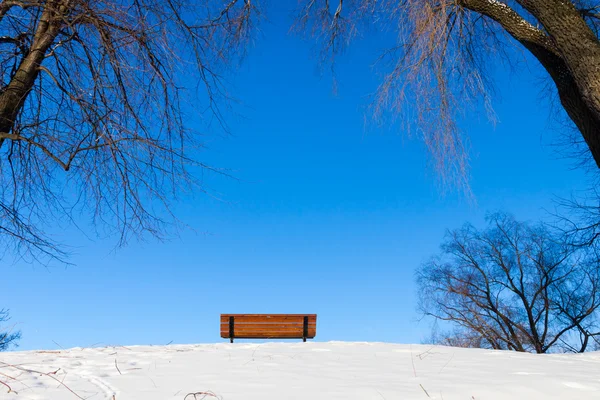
[513, 286]
[9, 336]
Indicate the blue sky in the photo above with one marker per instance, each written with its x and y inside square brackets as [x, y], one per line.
[326, 217]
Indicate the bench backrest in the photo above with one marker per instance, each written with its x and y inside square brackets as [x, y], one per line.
[268, 326]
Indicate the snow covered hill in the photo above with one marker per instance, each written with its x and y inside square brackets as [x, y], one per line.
[307, 371]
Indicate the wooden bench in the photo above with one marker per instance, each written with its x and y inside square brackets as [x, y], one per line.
[268, 326]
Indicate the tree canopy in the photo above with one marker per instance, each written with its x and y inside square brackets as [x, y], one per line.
[93, 93]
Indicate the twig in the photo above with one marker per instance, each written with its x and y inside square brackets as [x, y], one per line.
[8, 376]
[63, 378]
[444, 366]
[31, 371]
[9, 388]
[16, 380]
[120, 346]
[203, 394]
[255, 352]
[425, 390]
[58, 345]
[154, 383]
[420, 355]
[412, 360]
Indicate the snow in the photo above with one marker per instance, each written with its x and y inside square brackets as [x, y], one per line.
[307, 371]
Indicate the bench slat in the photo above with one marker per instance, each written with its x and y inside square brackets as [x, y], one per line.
[242, 331]
[270, 336]
[269, 326]
[269, 315]
[268, 318]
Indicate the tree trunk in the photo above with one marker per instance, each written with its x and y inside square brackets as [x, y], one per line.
[567, 48]
[13, 96]
[579, 77]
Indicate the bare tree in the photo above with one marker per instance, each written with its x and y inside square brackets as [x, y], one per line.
[95, 103]
[95, 100]
[11, 336]
[513, 286]
[444, 49]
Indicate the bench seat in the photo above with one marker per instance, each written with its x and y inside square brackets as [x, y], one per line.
[268, 326]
